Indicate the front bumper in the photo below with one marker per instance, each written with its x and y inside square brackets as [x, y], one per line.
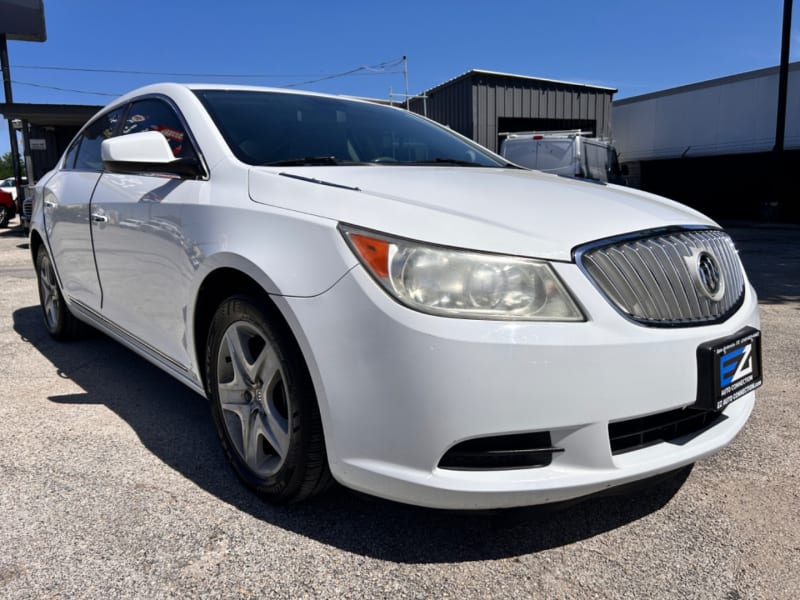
[27, 210]
[397, 389]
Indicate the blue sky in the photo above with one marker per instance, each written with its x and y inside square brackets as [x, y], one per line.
[634, 46]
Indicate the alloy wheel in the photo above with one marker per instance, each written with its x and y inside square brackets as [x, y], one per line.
[253, 398]
[48, 287]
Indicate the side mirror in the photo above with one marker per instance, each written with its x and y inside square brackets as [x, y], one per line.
[146, 152]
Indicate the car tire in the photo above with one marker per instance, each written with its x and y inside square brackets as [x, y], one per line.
[263, 403]
[60, 322]
[5, 215]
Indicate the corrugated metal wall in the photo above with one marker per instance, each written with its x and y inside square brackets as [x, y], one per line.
[450, 105]
[729, 115]
[56, 142]
[506, 97]
[473, 104]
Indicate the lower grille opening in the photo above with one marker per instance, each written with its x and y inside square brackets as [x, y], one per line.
[518, 451]
[663, 427]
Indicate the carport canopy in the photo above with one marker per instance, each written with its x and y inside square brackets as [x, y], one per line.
[49, 115]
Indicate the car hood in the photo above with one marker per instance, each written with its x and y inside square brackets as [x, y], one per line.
[511, 211]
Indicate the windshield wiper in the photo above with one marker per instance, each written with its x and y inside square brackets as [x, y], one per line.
[308, 160]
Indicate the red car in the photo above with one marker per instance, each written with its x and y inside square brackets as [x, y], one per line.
[8, 208]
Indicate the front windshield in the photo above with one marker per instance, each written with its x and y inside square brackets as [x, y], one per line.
[264, 128]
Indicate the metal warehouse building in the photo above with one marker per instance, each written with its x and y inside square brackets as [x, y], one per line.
[47, 130]
[710, 144]
[483, 105]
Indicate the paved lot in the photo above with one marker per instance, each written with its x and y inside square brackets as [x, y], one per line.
[113, 484]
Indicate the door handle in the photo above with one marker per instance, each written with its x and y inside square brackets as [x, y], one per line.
[99, 218]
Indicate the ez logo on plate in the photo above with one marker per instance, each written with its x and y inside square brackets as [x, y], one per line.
[735, 365]
[728, 368]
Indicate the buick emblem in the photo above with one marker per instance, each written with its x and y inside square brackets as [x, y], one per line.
[706, 274]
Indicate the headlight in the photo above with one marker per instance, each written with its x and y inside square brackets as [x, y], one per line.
[460, 283]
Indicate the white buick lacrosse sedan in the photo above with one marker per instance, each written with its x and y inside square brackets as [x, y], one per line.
[367, 297]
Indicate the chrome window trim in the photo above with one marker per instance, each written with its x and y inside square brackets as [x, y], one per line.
[125, 108]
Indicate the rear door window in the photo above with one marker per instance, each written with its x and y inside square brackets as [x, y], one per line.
[553, 155]
[522, 152]
[86, 149]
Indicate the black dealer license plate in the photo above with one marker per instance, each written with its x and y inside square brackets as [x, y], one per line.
[728, 368]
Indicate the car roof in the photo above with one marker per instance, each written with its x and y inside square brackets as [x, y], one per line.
[171, 88]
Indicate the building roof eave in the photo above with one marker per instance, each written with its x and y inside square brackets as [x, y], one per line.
[50, 115]
[474, 72]
[709, 83]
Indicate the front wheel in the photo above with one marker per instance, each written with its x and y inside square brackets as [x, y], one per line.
[263, 403]
[5, 215]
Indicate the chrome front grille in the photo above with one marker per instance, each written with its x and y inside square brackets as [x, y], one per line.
[27, 203]
[673, 278]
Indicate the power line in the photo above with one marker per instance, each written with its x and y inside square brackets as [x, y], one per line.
[166, 73]
[60, 89]
[378, 68]
[382, 68]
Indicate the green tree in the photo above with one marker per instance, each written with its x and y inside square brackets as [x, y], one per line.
[7, 166]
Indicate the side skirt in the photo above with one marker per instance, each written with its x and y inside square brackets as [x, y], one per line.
[180, 372]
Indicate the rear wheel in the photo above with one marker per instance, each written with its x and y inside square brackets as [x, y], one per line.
[263, 403]
[60, 322]
[5, 215]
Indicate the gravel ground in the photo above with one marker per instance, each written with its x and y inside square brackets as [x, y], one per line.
[113, 484]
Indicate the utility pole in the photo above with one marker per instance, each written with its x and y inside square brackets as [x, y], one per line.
[783, 75]
[405, 77]
[12, 134]
[779, 157]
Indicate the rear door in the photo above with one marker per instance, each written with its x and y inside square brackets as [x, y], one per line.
[595, 160]
[67, 216]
